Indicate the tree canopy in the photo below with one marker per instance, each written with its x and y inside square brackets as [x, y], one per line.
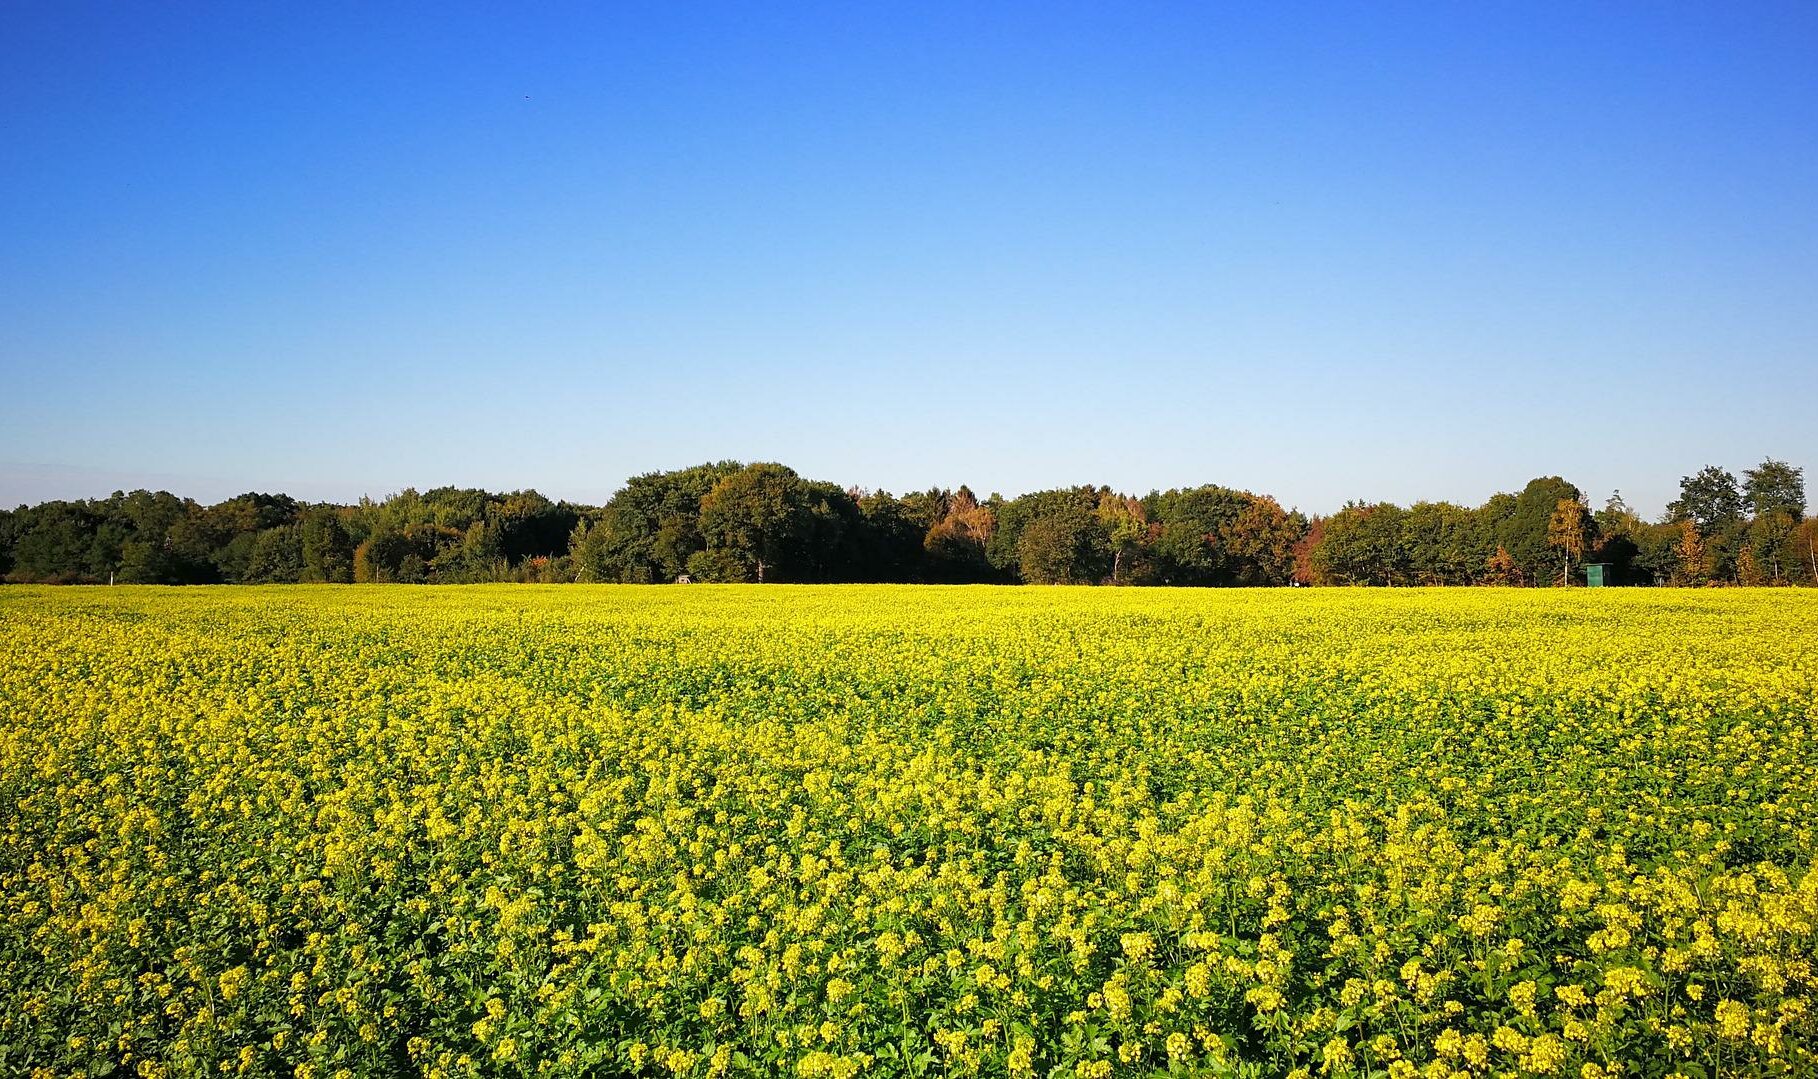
[763, 522]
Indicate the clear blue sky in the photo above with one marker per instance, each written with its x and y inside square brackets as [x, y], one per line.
[1358, 251]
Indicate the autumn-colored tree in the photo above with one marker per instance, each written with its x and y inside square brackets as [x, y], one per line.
[1261, 542]
[1303, 553]
[1806, 539]
[772, 523]
[1567, 532]
[1502, 569]
[1690, 552]
[955, 543]
[1748, 571]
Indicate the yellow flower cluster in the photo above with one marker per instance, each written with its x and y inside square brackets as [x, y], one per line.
[875, 830]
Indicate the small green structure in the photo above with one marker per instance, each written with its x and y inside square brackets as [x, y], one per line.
[1594, 574]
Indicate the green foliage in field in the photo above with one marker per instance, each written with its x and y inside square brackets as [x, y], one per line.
[895, 831]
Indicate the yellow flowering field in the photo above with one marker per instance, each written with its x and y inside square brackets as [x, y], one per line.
[875, 830]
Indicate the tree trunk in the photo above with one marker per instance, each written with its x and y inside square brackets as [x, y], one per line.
[1117, 561]
[760, 563]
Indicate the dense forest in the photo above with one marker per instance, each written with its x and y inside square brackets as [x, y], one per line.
[763, 522]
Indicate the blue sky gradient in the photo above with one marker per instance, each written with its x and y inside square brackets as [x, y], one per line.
[1370, 251]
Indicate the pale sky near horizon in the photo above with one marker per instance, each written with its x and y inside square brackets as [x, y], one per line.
[1321, 252]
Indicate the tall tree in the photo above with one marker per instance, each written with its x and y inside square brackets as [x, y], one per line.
[831, 543]
[957, 546]
[1524, 530]
[1805, 545]
[1362, 545]
[1066, 546]
[1126, 527]
[1260, 541]
[1568, 531]
[1442, 543]
[755, 517]
[1709, 499]
[1195, 532]
[1620, 533]
[276, 556]
[1004, 548]
[651, 527]
[327, 548]
[1691, 553]
[890, 539]
[1712, 501]
[1768, 537]
[1775, 487]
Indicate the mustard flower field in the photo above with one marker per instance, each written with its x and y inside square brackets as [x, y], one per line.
[876, 830]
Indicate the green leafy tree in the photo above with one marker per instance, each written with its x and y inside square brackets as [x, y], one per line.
[1619, 537]
[231, 528]
[1196, 539]
[380, 558]
[1656, 558]
[1442, 544]
[145, 562]
[480, 556]
[1063, 547]
[651, 527]
[1523, 525]
[587, 553]
[1775, 487]
[1805, 546]
[1361, 545]
[1126, 526]
[757, 517]
[830, 545]
[1769, 541]
[890, 539]
[1003, 547]
[56, 543]
[718, 565]
[327, 547]
[276, 556]
[1709, 499]
[1712, 501]
[1775, 495]
[527, 525]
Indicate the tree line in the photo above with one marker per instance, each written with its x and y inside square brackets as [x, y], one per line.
[762, 522]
